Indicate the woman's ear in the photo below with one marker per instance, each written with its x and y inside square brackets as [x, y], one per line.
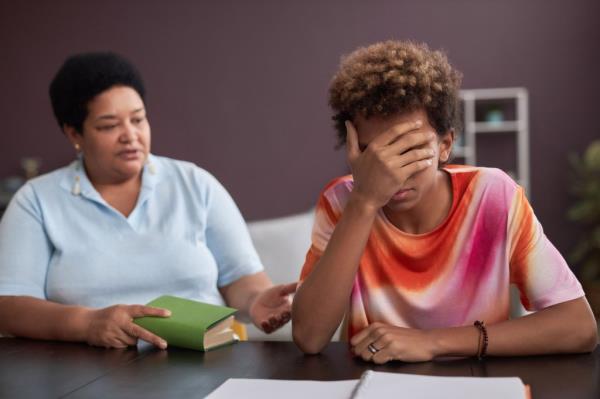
[445, 145]
[74, 137]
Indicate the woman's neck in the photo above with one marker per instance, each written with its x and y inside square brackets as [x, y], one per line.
[121, 194]
[429, 212]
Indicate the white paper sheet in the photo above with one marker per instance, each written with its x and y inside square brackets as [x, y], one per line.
[243, 388]
[374, 384]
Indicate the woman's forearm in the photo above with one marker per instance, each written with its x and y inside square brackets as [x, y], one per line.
[323, 297]
[29, 317]
[568, 327]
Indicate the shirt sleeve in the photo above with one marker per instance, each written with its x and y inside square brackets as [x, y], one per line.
[536, 267]
[227, 236]
[326, 218]
[25, 249]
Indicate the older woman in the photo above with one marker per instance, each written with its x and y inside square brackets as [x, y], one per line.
[81, 248]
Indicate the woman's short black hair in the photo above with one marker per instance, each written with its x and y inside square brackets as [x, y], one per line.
[82, 77]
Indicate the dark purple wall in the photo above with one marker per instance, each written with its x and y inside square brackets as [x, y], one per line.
[240, 87]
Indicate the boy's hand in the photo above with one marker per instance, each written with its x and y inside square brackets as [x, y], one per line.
[380, 343]
[381, 170]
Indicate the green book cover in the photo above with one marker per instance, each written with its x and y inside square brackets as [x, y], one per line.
[192, 324]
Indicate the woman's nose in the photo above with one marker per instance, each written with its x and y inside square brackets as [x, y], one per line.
[129, 133]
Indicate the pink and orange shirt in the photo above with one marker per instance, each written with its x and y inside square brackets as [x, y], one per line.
[458, 273]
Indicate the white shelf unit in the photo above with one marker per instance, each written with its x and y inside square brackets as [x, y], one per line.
[473, 127]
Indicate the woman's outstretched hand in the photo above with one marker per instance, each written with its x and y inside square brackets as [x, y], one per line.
[271, 308]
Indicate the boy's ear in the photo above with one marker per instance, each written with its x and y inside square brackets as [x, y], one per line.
[445, 145]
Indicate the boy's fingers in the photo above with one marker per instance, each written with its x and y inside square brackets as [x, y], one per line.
[351, 142]
[391, 135]
[410, 141]
[411, 156]
[360, 336]
[414, 167]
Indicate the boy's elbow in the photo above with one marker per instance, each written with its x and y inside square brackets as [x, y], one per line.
[306, 344]
[305, 339]
[589, 338]
[584, 335]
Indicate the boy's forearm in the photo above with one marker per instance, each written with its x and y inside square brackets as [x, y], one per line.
[568, 327]
[323, 297]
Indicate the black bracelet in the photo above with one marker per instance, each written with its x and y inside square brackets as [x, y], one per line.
[483, 339]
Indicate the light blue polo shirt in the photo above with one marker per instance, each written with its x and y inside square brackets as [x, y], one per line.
[185, 237]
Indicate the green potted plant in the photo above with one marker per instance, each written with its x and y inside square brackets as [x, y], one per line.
[586, 212]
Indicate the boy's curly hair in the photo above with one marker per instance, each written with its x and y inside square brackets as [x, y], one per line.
[395, 76]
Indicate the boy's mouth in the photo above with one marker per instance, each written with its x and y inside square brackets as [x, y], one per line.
[402, 194]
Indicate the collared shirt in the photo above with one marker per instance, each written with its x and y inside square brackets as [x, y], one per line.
[61, 241]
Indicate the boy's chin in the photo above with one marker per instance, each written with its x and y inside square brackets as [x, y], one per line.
[401, 205]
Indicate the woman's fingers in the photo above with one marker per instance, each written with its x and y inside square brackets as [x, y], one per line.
[126, 339]
[287, 289]
[266, 327]
[276, 321]
[136, 311]
[135, 331]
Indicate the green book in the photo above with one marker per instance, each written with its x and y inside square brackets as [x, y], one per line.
[192, 324]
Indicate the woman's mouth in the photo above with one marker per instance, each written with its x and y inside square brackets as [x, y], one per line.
[129, 155]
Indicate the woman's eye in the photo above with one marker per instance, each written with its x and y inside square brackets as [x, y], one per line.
[106, 127]
[137, 121]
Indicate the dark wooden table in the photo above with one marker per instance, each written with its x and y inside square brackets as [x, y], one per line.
[56, 370]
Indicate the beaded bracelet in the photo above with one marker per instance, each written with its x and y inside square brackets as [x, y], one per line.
[482, 343]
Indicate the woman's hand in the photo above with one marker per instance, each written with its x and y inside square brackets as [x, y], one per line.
[271, 309]
[381, 170]
[113, 327]
[393, 343]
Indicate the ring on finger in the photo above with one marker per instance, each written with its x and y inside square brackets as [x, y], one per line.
[372, 348]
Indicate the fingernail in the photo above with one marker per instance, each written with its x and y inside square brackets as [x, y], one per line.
[167, 313]
[163, 344]
[418, 123]
[429, 162]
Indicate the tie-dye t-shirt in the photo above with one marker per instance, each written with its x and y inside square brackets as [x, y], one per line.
[458, 273]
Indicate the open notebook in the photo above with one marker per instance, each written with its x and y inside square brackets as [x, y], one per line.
[373, 384]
